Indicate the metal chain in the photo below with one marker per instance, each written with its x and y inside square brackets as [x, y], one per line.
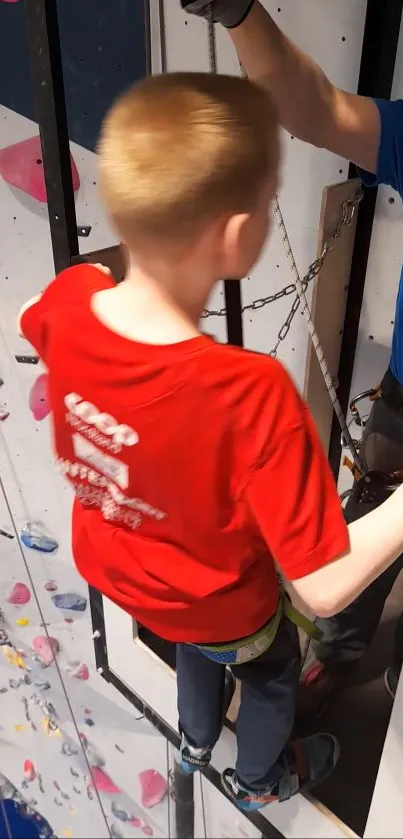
[347, 216]
[299, 285]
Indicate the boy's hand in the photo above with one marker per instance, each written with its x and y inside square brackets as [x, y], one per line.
[228, 12]
[102, 268]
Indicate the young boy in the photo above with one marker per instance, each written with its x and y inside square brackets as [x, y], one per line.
[196, 465]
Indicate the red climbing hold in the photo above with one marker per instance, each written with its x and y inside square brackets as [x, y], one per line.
[102, 782]
[154, 787]
[10, 1]
[39, 398]
[29, 770]
[21, 166]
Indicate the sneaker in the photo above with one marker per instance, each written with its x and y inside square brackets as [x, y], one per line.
[192, 758]
[391, 682]
[308, 762]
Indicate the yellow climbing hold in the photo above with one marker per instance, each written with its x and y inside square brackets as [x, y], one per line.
[13, 657]
[22, 622]
[19, 727]
[67, 831]
[50, 727]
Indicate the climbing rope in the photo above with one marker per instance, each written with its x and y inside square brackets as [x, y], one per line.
[299, 286]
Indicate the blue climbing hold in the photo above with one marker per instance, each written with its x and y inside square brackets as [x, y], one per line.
[70, 600]
[33, 536]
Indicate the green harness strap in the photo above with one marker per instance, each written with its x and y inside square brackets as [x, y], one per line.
[301, 621]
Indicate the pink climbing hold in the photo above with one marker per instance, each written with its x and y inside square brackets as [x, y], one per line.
[135, 822]
[46, 648]
[147, 830]
[39, 398]
[10, 1]
[102, 782]
[154, 788]
[50, 585]
[21, 166]
[19, 594]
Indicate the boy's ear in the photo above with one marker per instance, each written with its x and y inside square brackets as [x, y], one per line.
[235, 235]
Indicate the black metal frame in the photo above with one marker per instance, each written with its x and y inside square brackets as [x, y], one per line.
[47, 77]
[378, 59]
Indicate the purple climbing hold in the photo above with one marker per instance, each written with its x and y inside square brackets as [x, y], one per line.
[70, 600]
[21, 166]
[19, 594]
[154, 787]
[39, 398]
[33, 536]
[46, 648]
[120, 814]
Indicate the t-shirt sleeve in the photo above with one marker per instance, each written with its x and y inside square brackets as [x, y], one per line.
[291, 493]
[390, 155]
[31, 324]
[68, 289]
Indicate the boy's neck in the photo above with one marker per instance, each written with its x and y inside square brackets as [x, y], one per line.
[156, 304]
[182, 287]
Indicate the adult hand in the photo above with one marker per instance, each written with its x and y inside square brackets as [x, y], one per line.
[228, 12]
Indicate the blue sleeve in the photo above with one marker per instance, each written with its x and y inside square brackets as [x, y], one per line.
[390, 156]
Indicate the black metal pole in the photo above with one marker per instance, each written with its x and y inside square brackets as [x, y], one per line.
[381, 37]
[233, 305]
[184, 803]
[47, 77]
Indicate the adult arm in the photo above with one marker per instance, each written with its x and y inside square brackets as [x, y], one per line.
[309, 106]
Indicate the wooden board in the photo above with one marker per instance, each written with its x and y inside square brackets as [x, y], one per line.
[113, 258]
[329, 304]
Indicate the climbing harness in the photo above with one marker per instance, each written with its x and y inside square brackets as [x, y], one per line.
[299, 285]
[247, 649]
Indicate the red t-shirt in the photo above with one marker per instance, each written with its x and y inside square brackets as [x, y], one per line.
[194, 465]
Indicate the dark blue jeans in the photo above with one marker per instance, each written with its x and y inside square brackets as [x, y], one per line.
[266, 714]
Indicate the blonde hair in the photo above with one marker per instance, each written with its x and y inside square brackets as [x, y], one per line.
[178, 150]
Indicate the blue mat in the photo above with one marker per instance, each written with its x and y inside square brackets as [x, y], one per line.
[15, 823]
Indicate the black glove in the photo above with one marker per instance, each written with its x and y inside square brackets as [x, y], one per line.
[228, 12]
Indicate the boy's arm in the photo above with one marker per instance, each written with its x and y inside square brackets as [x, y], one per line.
[293, 500]
[31, 317]
[376, 541]
[309, 106]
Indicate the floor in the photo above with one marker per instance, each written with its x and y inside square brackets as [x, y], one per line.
[359, 717]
